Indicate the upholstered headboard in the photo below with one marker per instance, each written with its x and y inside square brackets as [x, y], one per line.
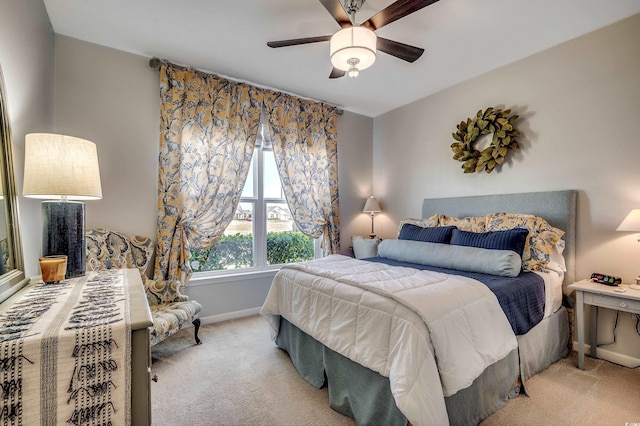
[556, 207]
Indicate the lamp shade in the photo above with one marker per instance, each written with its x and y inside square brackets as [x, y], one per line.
[631, 223]
[353, 43]
[371, 206]
[61, 167]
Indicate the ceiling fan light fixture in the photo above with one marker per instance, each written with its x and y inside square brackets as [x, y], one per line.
[353, 68]
[351, 43]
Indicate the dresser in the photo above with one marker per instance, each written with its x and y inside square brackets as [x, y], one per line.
[71, 339]
[140, 351]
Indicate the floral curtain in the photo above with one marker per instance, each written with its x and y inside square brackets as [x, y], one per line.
[303, 134]
[208, 129]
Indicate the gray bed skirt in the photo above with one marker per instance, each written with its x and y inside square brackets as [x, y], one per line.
[365, 395]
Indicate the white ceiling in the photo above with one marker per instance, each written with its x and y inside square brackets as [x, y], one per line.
[462, 39]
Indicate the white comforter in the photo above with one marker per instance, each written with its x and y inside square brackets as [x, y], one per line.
[432, 334]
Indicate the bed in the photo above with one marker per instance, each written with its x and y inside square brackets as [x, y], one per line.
[377, 332]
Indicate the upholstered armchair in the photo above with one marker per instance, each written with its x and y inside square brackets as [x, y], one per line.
[170, 309]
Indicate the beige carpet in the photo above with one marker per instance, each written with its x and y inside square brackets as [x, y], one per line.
[238, 377]
[600, 395]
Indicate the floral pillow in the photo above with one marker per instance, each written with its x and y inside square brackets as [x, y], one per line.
[540, 243]
[471, 224]
[429, 222]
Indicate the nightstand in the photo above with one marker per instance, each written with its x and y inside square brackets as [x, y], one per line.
[594, 294]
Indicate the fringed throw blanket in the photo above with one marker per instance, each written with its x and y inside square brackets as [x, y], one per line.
[65, 356]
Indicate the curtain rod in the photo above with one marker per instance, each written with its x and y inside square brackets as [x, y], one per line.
[157, 63]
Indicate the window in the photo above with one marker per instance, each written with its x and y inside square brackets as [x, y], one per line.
[262, 232]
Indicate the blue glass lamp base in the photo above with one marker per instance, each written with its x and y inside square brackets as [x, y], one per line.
[63, 233]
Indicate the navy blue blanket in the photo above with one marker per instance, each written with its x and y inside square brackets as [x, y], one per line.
[521, 298]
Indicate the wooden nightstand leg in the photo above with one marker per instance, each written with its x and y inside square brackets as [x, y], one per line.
[580, 327]
[594, 332]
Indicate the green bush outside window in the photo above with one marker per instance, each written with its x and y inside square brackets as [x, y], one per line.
[236, 251]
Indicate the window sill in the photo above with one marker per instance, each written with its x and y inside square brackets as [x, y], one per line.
[209, 278]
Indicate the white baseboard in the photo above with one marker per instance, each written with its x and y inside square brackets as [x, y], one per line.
[615, 357]
[229, 316]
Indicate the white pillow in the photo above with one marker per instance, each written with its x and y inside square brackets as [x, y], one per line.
[364, 247]
[556, 260]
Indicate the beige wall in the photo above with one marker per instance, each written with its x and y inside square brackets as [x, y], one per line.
[112, 98]
[579, 104]
[355, 161]
[26, 58]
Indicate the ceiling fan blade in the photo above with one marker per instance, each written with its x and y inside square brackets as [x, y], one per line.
[335, 8]
[395, 11]
[399, 50]
[336, 73]
[296, 41]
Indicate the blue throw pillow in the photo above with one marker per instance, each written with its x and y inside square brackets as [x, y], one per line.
[510, 239]
[440, 234]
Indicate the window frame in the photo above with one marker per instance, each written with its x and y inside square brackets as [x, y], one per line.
[258, 220]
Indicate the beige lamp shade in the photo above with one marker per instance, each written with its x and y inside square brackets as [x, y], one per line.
[631, 223]
[61, 167]
[371, 206]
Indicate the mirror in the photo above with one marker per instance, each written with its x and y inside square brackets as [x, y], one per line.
[11, 263]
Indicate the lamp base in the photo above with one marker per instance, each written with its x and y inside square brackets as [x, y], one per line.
[63, 233]
[372, 234]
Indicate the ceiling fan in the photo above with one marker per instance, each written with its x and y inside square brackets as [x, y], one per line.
[354, 47]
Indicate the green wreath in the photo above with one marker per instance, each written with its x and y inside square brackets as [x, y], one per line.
[495, 121]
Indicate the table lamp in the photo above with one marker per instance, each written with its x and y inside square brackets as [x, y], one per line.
[372, 207]
[64, 171]
[631, 223]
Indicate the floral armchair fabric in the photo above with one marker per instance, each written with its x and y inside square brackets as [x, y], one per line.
[170, 309]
